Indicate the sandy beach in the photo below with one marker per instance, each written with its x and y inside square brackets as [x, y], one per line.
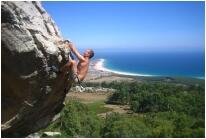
[99, 66]
[98, 73]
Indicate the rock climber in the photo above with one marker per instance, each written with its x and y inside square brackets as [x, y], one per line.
[81, 67]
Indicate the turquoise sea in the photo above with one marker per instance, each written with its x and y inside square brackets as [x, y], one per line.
[184, 64]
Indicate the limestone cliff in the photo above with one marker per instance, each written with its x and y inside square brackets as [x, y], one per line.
[32, 94]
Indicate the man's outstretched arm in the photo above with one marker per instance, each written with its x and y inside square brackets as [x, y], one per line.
[75, 51]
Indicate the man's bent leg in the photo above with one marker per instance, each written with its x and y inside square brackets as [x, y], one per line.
[68, 66]
[75, 76]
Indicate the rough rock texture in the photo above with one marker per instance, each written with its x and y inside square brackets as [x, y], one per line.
[31, 93]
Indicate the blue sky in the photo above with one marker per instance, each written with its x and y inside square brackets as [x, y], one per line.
[131, 26]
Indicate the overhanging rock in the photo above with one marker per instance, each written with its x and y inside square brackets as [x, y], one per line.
[31, 93]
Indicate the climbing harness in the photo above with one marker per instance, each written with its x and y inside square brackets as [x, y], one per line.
[80, 83]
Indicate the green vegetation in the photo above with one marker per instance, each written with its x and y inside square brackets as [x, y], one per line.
[77, 121]
[117, 125]
[159, 110]
[97, 107]
[175, 109]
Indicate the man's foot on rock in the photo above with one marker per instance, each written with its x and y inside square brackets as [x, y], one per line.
[55, 69]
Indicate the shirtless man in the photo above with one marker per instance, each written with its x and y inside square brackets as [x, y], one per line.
[80, 68]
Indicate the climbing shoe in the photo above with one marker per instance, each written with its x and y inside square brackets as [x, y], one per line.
[55, 69]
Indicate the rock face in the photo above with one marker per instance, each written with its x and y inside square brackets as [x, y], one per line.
[32, 94]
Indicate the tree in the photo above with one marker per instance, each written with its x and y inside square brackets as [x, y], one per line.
[122, 127]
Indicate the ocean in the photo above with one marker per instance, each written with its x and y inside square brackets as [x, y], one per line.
[180, 64]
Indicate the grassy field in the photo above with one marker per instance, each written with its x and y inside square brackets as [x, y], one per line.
[98, 107]
[96, 103]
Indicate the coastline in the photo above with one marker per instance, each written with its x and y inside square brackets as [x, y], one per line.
[98, 73]
[99, 66]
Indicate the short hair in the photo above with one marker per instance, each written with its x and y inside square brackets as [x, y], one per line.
[67, 41]
[91, 52]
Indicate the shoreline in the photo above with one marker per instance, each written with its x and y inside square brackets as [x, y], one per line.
[98, 73]
[99, 66]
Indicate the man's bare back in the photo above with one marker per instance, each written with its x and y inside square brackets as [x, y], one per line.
[80, 68]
